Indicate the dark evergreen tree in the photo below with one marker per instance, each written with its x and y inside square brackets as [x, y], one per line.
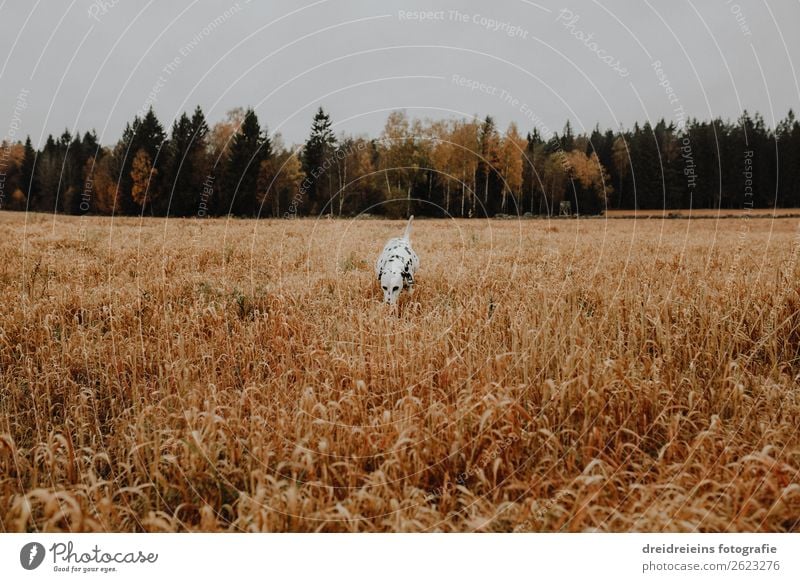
[28, 183]
[146, 134]
[65, 175]
[602, 144]
[185, 166]
[532, 185]
[567, 140]
[318, 148]
[243, 165]
[699, 153]
[178, 172]
[150, 135]
[47, 177]
[90, 144]
[644, 178]
[672, 177]
[788, 135]
[765, 163]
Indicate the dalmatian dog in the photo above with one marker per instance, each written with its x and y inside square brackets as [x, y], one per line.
[396, 266]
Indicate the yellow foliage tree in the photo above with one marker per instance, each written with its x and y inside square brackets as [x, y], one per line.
[221, 135]
[279, 185]
[142, 173]
[511, 152]
[590, 174]
[356, 170]
[100, 184]
[465, 146]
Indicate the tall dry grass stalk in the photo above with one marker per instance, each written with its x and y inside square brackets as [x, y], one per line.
[243, 376]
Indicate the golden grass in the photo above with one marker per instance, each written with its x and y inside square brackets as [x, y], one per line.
[242, 376]
[706, 213]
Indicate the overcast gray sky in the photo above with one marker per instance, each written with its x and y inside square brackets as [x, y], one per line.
[93, 64]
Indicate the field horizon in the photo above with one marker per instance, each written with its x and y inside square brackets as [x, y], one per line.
[667, 213]
[216, 375]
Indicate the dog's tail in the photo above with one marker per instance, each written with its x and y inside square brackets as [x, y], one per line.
[407, 233]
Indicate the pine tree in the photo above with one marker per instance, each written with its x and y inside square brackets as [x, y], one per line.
[186, 164]
[532, 179]
[244, 163]
[672, 178]
[319, 148]
[90, 144]
[63, 193]
[145, 134]
[28, 167]
[89, 153]
[199, 128]
[644, 187]
[567, 140]
[764, 165]
[788, 134]
[47, 177]
[178, 168]
[150, 134]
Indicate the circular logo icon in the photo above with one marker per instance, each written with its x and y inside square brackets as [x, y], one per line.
[31, 555]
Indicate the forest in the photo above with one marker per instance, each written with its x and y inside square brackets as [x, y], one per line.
[452, 167]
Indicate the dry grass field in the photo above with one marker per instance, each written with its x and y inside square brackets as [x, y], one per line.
[706, 213]
[580, 375]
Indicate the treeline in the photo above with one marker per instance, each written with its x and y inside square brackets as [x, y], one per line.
[456, 167]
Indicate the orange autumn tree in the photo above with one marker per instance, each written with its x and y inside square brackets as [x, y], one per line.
[100, 183]
[592, 178]
[142, 173]
[279, 185]
[511, 151]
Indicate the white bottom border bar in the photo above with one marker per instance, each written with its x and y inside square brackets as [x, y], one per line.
[389, 557]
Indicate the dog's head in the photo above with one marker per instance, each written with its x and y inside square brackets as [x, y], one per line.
[391, 283]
